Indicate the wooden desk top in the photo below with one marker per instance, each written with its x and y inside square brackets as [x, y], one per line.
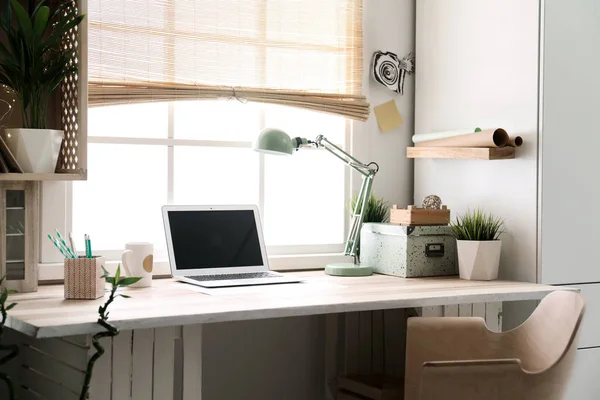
[169, 303]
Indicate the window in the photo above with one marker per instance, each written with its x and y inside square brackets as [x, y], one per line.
[148, 147]
[141, 157]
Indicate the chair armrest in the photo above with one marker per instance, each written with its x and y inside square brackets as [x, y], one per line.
[445, 339]
[473, 380]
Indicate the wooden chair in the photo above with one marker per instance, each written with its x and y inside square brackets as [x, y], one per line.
[460, 359]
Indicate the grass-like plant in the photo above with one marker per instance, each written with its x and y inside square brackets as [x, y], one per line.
[477, 226]
[34, 63]
[377, 210]
[11, 350]
[111, 331]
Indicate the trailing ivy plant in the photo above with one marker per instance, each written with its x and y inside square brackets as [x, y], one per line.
[111, 331]
[33, 63]
[10, 350]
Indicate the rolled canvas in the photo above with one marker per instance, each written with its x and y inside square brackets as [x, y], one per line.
[487, 138]
[515, 141]
[423, 137]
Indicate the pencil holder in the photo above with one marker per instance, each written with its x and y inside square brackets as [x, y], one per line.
[83, 278]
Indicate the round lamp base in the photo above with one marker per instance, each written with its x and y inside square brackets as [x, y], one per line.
[348, 269]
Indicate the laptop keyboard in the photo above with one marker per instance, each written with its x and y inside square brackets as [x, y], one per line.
[224, 277]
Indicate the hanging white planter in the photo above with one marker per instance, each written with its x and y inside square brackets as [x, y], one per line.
[36, 150]
[477, 260]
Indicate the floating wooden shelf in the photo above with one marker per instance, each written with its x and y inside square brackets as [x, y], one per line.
[12, 176]
[471, 153]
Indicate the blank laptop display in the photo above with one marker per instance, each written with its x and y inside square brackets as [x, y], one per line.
[218, 246]
[215, 239]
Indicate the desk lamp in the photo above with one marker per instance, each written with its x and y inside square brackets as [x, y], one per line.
[275, 141]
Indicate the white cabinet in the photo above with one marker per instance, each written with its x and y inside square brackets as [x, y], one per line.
[570, 138]
[584, 384]
[590, 329]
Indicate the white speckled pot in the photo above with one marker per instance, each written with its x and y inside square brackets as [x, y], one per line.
[478, 261]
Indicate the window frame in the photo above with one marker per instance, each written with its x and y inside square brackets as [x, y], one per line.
[57, 208]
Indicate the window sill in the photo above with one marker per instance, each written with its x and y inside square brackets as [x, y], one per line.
[53, 272]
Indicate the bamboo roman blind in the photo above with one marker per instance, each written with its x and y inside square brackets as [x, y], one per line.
[301, 53]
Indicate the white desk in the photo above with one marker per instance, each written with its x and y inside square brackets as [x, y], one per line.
[56, 332]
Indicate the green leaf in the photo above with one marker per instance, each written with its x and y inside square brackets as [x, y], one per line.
[118, 274]
[40, 21]
[128, 281]
[4, 296]
[125, 296]
[23, 19]
[11, 306]
[37, 8]
[12, 291]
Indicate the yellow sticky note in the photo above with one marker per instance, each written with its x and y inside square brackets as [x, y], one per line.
[388, 116]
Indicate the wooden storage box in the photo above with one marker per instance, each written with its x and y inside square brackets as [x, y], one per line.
[408, 251]
[83, 278]
[413, 216]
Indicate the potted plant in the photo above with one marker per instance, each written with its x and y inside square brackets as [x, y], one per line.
[478, 245]
[32, 65]
[377, 210]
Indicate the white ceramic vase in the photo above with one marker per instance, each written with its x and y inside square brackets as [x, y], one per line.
[478, 261]
[36, 150]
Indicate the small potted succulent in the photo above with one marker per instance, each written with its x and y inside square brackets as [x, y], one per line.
[478, 245]
[32, 65]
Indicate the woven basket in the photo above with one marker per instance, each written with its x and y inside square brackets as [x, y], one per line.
[83, 278]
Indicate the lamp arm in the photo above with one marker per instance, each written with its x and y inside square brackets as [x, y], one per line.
[361, 168]
[358, 214]
[368, 172]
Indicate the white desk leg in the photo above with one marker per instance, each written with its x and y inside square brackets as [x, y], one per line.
[101, 384]
[142, 364]
[192, 362]
[164, 362]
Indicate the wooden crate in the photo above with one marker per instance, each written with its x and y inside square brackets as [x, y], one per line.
[414, 215]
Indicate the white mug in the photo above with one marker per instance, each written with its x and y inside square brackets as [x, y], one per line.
[137, 260]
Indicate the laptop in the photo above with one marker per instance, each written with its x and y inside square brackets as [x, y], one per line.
[218, 246]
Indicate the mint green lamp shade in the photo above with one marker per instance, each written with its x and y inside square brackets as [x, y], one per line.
[274, 141]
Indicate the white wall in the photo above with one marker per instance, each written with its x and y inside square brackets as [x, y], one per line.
[477, 66]
[389, 25]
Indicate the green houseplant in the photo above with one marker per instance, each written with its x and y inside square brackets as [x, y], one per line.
[7, 351]
[478, 244]
[376, 210]
[33, 63]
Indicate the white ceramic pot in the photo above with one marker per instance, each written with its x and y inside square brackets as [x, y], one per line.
[36, 150]
[478, 261]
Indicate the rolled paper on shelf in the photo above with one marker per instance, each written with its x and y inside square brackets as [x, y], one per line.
[423, 137]
[515, 141]
[487, 138]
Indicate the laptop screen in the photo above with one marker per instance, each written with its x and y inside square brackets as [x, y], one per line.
[214, 239]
